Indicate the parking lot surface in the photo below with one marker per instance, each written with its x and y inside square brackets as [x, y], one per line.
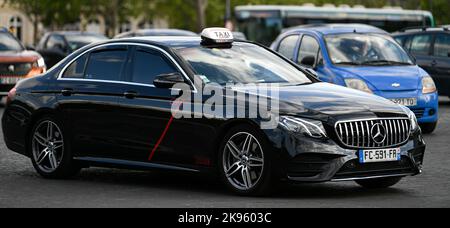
[20, 186]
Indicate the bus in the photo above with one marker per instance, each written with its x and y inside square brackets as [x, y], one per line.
[263, 23]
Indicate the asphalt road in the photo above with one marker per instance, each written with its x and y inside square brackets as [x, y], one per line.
[20, 186]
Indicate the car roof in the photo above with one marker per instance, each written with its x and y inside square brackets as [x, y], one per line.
[415, 30]
[169, 41]
[158, 32]
[330, 29]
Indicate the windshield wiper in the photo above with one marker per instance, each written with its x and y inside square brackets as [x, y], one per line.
[349, 63]
[385, 62]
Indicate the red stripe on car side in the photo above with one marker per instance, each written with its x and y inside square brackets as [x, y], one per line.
[163, 135]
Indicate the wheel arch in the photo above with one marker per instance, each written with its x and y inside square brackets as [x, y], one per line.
[36, 116]
[225, 128]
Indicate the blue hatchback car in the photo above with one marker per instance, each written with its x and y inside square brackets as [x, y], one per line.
[365, 58]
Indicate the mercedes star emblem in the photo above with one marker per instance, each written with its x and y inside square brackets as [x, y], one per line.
[378, 133]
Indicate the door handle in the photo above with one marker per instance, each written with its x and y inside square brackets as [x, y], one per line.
[130, 94]
[67, 92]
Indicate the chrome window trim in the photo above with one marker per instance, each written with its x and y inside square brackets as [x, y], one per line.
[172, 60]
[374, 146]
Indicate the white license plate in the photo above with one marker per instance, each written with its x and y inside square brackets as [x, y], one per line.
[408, 102]
[10, 80]
[380, 155]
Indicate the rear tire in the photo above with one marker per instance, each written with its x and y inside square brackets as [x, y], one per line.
[50, 150]
[379, 182]
[245, 164]
[428, 128]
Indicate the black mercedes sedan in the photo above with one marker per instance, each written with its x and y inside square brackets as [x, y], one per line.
[185, 104]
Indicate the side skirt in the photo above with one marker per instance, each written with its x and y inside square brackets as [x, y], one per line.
[116, 163]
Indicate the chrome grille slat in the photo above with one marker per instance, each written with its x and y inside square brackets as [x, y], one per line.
[357, 134]
[363, 135]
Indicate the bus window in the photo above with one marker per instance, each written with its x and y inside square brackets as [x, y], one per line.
[260, 26]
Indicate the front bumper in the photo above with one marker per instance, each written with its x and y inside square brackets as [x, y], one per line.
[304, 159]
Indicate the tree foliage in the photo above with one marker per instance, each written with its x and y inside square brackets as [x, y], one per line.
[186, 14]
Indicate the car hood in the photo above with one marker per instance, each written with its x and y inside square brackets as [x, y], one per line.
[324, 100]
[385, 78]
[18, 56]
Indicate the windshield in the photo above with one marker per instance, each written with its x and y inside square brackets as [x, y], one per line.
[365, 49]
[242, 63]
[78, 41]
[8, 43]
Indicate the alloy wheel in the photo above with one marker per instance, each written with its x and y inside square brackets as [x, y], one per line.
[47, 146]
[243, 161]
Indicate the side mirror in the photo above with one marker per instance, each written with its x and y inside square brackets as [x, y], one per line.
[166, 81]
[60, 48]
[308, 61]
[312, 72]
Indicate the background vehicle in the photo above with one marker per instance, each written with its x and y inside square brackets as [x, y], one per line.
[263, 24]
[55, 46]
[364, 58]
[156, 32]
[431, 48]
[239, 36]
[16, 63]
[111, 105]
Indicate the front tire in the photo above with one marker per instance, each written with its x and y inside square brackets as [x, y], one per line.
[428, 128]
[50, 150]
[379, 183]
[245, 162]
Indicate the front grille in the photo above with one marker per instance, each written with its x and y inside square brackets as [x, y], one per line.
[362, 134]
[419, 112]
[15, 69]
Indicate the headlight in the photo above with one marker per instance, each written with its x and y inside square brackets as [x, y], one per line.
[358, 84]
[40, 64]
[311, 128]
[412, 118]
[428, 85]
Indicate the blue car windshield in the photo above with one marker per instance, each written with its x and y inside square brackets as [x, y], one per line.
[242, 63]
[366, 49]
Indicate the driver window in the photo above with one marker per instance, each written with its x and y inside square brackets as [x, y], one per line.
[308, 48]
[147, 65]
[56, 42]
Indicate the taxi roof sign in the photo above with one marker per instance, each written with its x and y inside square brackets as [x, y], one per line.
[217, 36]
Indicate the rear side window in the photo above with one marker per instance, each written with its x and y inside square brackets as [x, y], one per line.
[106, 64]
[76, 69]
[308, 47]
[421, 44]
[442, 46]
[149, 64]
[287, 46]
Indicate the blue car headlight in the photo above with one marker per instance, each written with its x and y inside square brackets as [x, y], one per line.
[358, 84]
[309, 128]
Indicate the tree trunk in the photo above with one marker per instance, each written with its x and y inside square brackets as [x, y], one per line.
[35, 29]
[201, 14]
